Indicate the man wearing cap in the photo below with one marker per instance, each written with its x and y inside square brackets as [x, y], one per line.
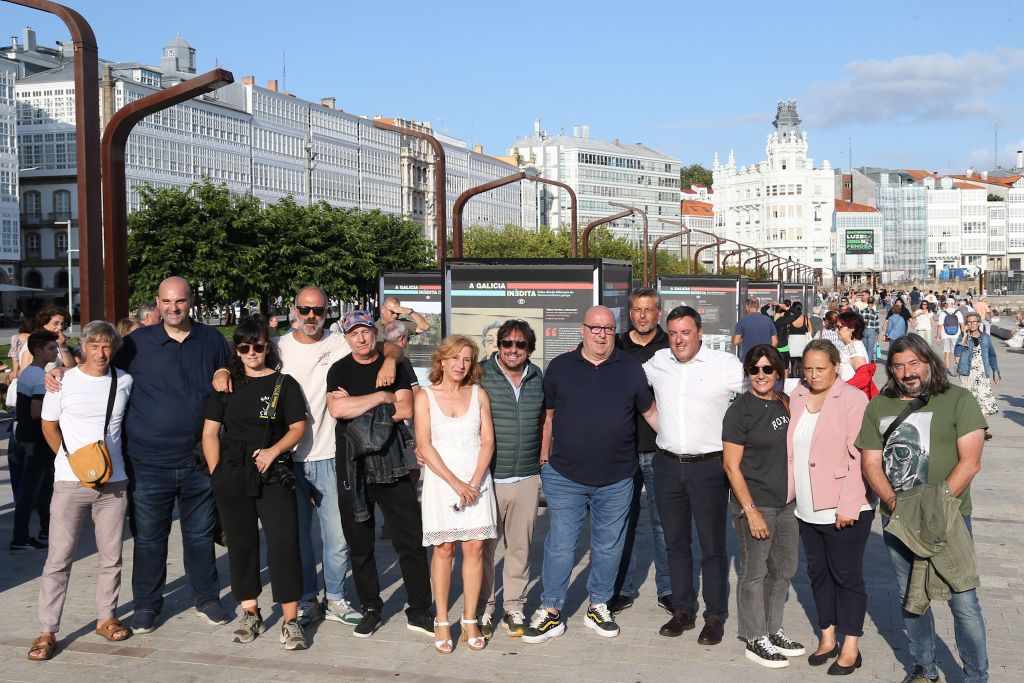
[352, 393]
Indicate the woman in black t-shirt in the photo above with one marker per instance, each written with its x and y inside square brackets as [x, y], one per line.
[263, 418]
[756, 462]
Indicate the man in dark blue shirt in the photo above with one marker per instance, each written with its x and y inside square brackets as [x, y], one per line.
[172, 364]
[754, 328]
[592, 396]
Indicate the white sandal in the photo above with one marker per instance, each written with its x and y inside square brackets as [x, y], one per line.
[445, 647]
[474, 642]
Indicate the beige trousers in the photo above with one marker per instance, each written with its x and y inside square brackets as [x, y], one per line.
[517, 514]
[69, 506]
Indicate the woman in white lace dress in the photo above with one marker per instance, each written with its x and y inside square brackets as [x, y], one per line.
[456, 440]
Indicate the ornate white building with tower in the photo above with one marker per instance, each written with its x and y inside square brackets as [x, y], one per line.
[784, 203]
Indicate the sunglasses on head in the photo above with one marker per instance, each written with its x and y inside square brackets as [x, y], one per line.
[509, 343]
[244, 348]
[317, 310]
[754, 370]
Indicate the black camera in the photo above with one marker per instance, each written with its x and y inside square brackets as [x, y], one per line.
[281, 471]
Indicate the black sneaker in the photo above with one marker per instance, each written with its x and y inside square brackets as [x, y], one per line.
[515, 623]
[665, 602]
[917, 676]
[370, 622]
[619, 603]
[785, 644]
[764, 653]
[30, 544]
[600, 618]
[544, 626]
[421, 623]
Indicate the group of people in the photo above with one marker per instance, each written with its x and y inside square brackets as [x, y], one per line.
[271, 429]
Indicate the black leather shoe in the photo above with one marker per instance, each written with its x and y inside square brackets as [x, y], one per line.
[680, 621]
[818, 660]
[619, 603]
[838, 669]
[712, 632]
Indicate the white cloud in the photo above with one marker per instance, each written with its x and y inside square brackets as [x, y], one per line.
[917, 87]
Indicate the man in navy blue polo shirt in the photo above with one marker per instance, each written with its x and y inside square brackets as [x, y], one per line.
[592, 396]
[171, 364]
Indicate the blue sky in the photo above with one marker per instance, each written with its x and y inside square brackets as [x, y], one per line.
[915, 85]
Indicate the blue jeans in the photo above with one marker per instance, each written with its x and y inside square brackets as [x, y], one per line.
[35, 487]
[568, 503]
[317, 480]
[870, 339]
[153, 493]
[968, 622]
[625, 583]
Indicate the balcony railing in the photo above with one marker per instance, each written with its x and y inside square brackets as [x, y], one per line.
[31, 218]
[60, 215]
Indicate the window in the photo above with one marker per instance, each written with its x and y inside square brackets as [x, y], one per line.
[60, 243]
[32, 244]
[33, 203]
[34, 280]
[60, 280]
[61, 205]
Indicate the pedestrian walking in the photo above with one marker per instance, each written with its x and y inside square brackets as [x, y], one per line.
[977, 364]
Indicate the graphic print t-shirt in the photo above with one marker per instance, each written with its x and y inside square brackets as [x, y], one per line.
[922, 450]
[760, 427]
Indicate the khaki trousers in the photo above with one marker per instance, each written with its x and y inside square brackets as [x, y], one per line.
[517, 514]
[69, 506]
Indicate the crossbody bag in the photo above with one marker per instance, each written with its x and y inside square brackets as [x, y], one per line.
[915, 405]
[92, 463]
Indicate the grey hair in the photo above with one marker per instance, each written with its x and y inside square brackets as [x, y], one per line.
[641, 292]
[972, 314]
[100, 330]
[143, 310]
[395, 330]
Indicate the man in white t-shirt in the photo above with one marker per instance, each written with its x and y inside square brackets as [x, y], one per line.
[945, 334]
[74, 417]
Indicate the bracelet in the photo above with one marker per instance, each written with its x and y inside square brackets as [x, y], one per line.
[473, 486]
[745, 508]
[221, 370]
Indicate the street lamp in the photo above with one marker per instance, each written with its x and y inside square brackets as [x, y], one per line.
[71, 280]
[643, 248]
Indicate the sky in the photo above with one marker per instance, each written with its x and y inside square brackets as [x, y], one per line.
[904, 85]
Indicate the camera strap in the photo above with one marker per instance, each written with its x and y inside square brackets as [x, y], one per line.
[272, 408]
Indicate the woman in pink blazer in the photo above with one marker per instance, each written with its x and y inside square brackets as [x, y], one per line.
[832, 503]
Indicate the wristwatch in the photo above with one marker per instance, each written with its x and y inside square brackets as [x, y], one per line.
[751, 506]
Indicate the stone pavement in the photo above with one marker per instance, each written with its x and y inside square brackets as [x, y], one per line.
[185, 648]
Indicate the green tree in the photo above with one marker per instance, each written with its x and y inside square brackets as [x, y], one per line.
[232, 249]
[694, 174]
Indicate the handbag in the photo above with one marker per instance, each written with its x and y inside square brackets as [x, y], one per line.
[92, 463]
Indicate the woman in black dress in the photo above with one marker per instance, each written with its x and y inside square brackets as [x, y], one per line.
[262, 419]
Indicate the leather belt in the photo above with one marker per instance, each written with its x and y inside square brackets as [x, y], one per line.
[684, 458]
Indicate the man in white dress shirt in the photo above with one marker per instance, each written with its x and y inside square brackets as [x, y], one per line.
[693, 386]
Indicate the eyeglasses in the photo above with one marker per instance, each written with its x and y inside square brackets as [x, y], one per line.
[509, 343]
[244, 348]
[317, 310]
[755, 370]
[598, 330]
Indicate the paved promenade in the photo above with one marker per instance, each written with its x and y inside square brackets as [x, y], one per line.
[185, 648]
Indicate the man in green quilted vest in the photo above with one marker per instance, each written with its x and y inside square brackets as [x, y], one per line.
[515, 387]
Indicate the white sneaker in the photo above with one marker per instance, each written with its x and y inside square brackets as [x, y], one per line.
[343, 612]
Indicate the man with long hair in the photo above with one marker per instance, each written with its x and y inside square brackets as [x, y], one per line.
[938, 445]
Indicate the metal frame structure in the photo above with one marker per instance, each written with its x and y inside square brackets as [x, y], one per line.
[115, 210]
[440, 185]
[87, 157]
[460, 204]
[646, 235]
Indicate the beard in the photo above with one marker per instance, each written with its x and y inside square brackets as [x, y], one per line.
[920, 384]
[311, 329]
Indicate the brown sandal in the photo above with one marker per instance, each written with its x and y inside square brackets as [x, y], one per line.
[44, 645]
[113, 630]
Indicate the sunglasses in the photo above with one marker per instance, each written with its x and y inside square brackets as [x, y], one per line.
[244, 348]
[305, 310]
[755, 370]
[509, 343]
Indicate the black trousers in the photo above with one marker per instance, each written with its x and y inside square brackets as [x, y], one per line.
[686, 494]
[835, 566]
[405, 524]
[240, 516]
